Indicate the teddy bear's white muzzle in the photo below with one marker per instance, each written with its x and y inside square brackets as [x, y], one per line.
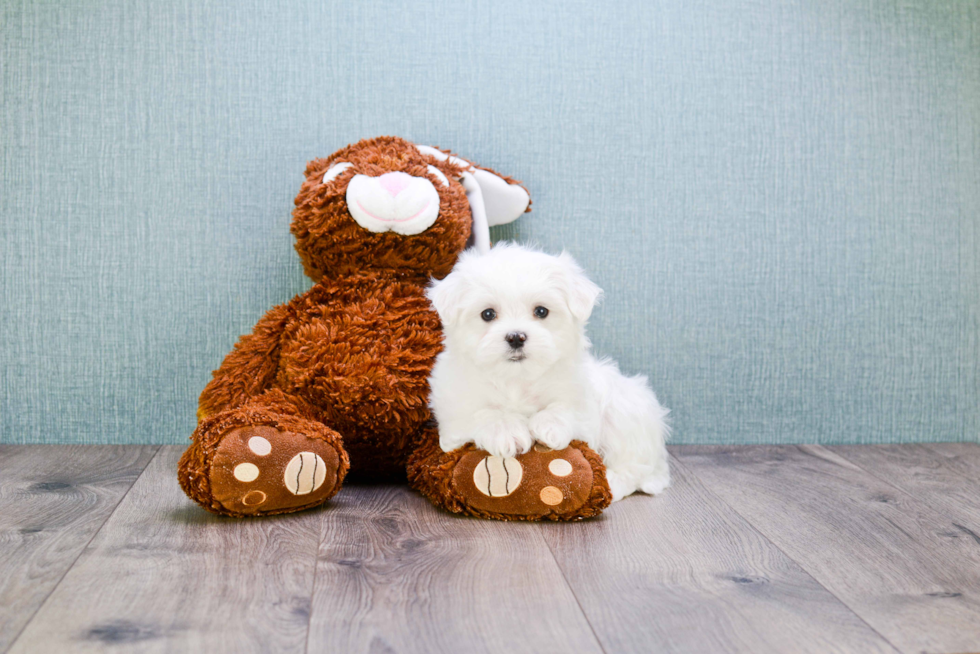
[396, 202]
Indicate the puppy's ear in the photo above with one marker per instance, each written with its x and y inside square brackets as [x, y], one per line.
[447, 298]
[581, 293]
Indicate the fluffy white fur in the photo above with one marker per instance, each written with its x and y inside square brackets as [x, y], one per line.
[552, 390]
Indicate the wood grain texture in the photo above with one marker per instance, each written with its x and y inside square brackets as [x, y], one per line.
[53, 500]
[944, 476]
[683, 573]
[163, 575]
[904, 568]
[397, 575]
[961, 458]
[754, 549]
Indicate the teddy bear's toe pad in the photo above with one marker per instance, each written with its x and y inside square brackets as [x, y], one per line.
[263, 470]
[534, 484]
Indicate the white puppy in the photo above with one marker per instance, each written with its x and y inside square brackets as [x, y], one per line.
[517, 368]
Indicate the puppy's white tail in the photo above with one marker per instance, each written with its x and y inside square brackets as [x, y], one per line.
[634, 431]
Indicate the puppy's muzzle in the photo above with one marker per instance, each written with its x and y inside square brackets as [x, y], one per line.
[515, 340]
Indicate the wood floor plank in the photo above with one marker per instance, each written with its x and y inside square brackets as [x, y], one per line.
[163, 575]
[949, 484]
[901, 566]
[683, 573]
[53, 500]
[397, 575]
[961, 458]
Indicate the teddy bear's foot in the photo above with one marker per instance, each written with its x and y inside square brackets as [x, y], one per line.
[260, 469]
[543, 484]
[267, 456]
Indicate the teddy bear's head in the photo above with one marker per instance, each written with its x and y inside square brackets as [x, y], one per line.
[388, 204]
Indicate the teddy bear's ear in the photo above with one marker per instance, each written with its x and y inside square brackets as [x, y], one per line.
[444, 156]
[505, 202]
[493, 200]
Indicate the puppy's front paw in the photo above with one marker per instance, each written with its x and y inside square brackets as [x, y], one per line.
[620, 485]
[506, 437]
[552, 428]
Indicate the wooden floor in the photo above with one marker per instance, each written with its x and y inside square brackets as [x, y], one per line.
[754, 549]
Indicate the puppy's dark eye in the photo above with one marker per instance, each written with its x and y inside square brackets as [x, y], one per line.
[489, 314]
[540, 312]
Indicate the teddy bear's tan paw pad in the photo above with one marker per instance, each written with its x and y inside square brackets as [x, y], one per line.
[262, 470]
[535, 484]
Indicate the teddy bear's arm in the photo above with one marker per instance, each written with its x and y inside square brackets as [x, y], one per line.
[249, 369]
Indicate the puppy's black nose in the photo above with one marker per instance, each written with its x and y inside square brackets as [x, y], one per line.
[515, 340]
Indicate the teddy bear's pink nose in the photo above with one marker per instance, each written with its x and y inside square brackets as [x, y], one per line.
[395, 183]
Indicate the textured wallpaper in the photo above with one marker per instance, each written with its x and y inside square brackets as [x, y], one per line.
[781, 199]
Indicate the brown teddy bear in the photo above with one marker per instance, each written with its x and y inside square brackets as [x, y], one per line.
[336, 379]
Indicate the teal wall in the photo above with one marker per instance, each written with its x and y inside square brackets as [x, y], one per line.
[780, 198]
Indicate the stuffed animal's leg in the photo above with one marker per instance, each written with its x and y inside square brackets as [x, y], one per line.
[266, 456]
[542, 484]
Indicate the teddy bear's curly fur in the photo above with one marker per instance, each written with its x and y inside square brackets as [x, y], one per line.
[336, 379]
